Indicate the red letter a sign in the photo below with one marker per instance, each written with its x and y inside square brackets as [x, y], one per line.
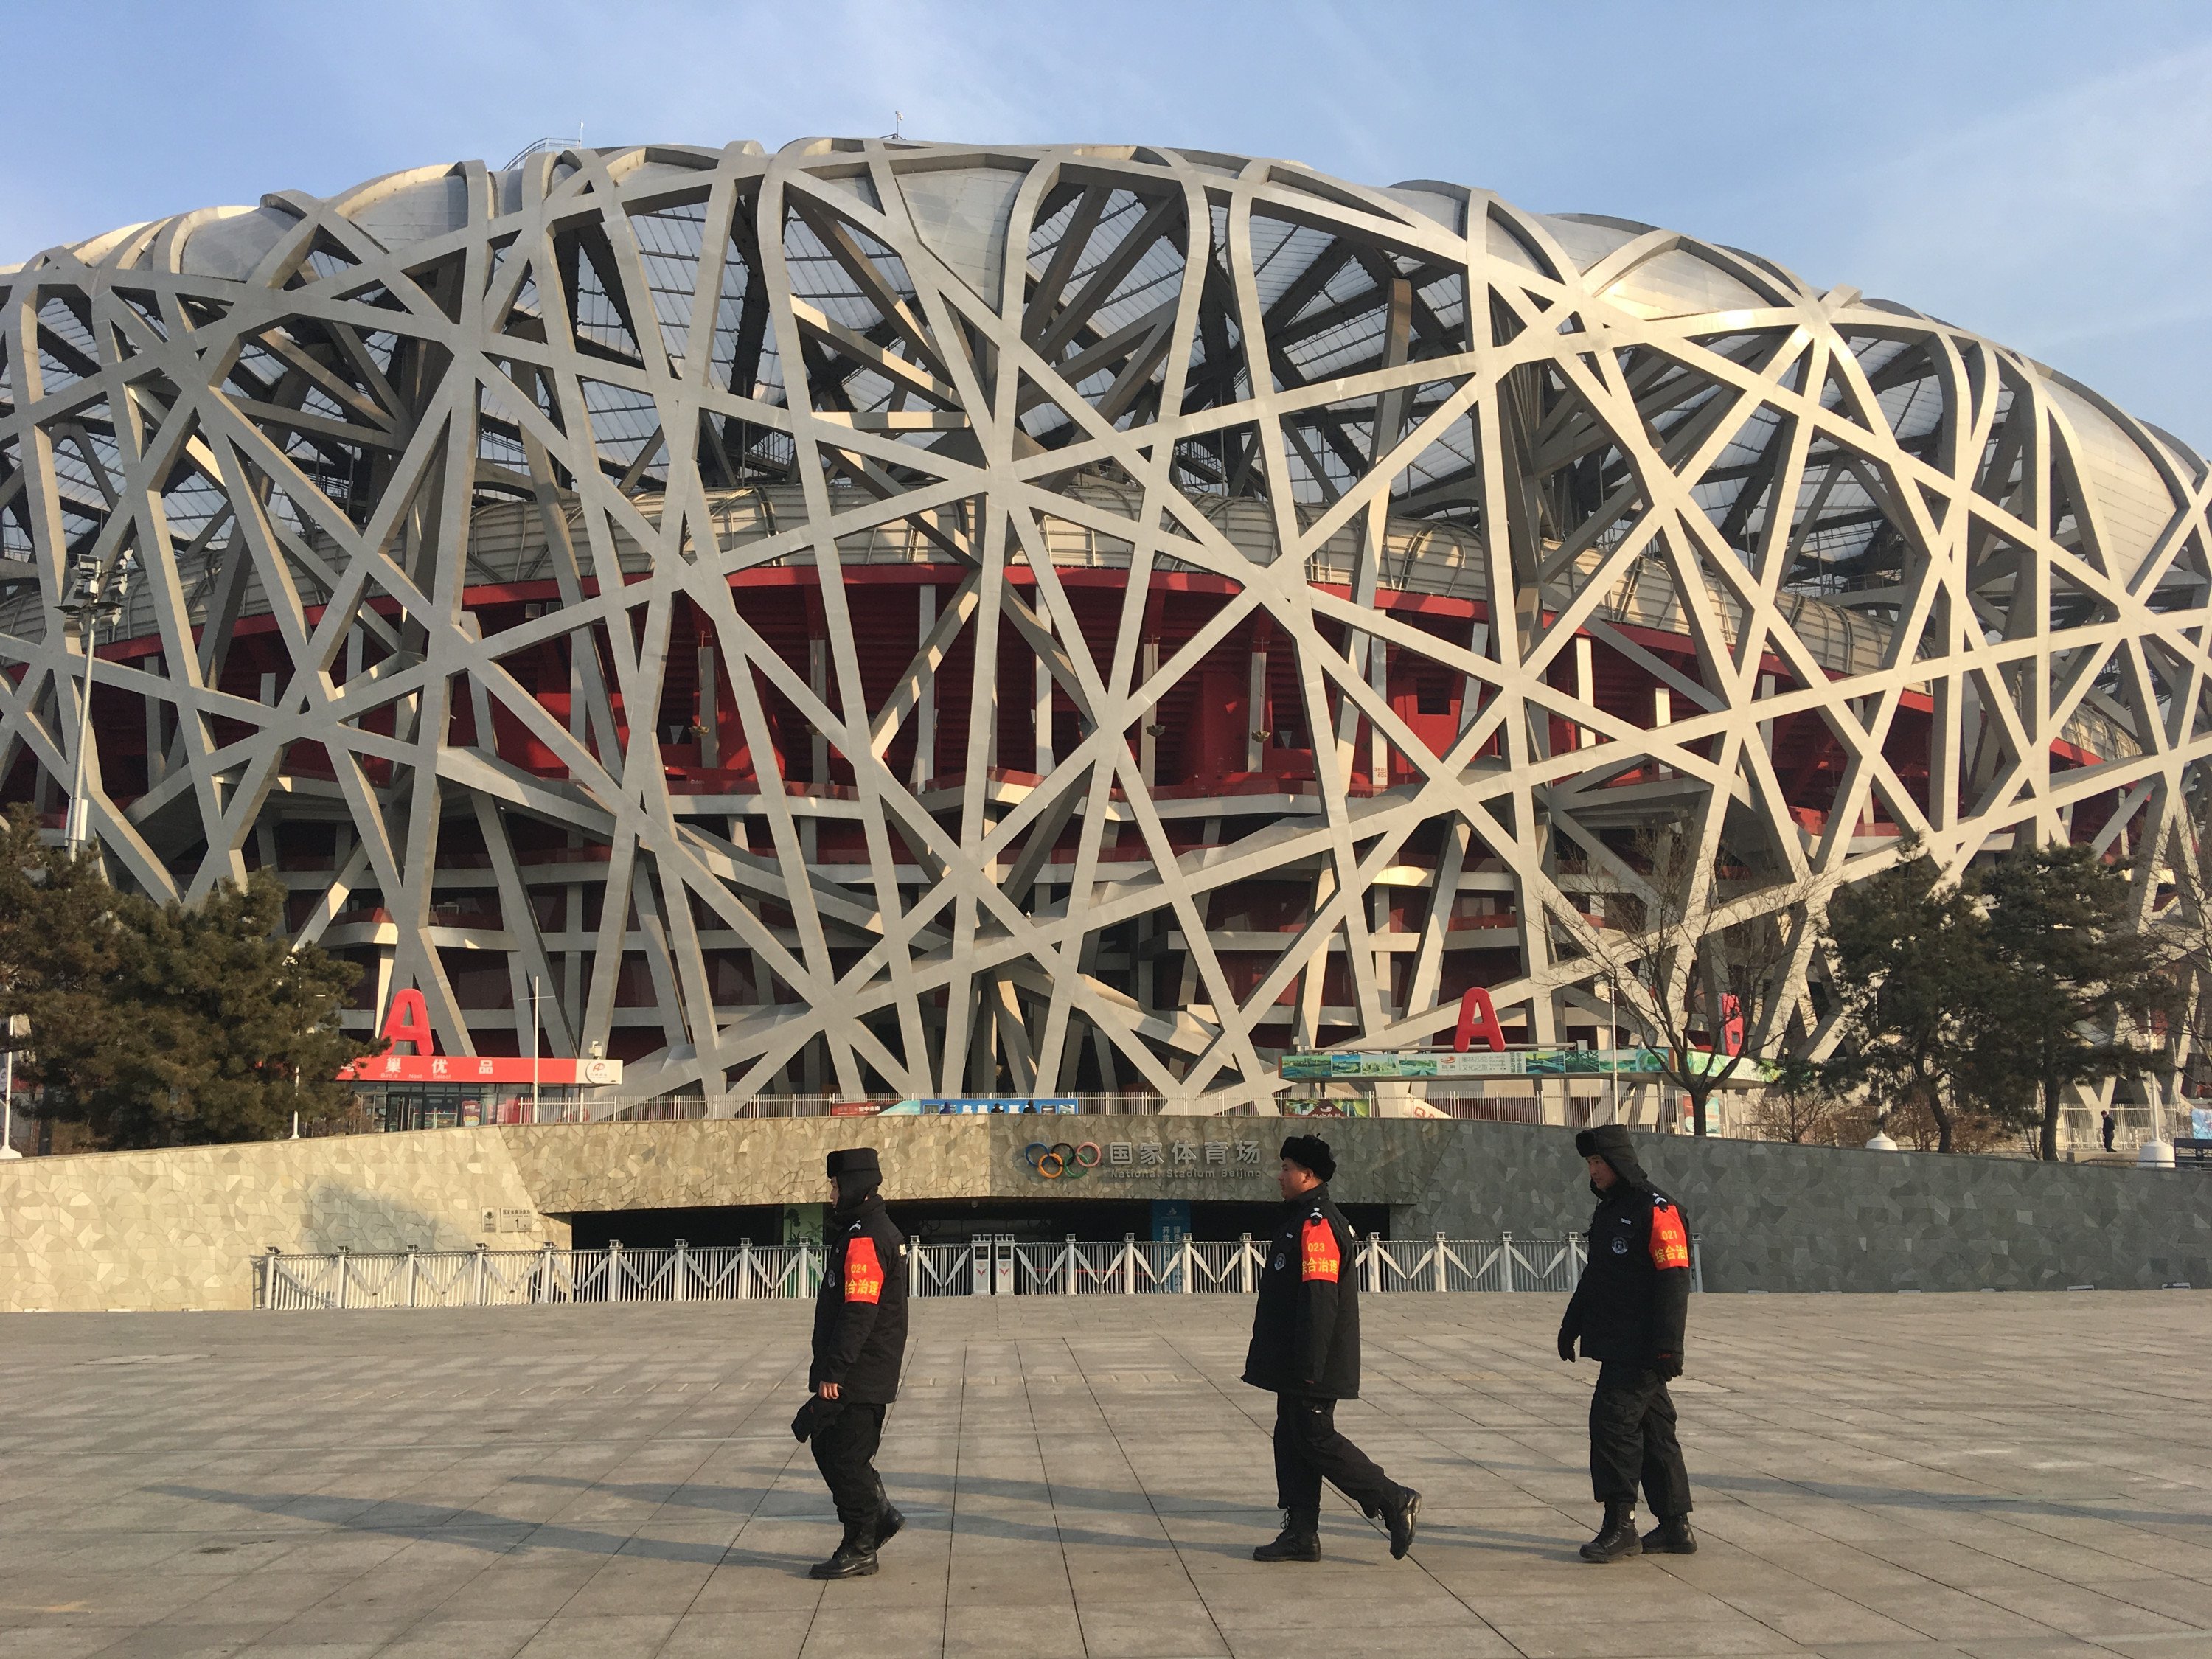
[1478, 1013]
[409, 1021]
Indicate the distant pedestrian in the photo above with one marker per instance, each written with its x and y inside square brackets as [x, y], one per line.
[1305, 1348]
[2110, 1128]
[1628, 1313]
[859, 1343]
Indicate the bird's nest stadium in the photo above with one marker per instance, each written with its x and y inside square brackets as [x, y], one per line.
[901, 618]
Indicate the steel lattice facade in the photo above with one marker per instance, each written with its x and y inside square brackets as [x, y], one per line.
[891, 617]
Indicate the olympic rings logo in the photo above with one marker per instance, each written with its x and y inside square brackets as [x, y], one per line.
[1060, 1161]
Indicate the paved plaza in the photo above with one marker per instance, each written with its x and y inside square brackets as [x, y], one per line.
[1993, 1475]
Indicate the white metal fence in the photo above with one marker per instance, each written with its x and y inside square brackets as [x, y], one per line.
[500, 1278]
[485, 1277]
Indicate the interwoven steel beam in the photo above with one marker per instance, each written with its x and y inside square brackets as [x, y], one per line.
[884, 615]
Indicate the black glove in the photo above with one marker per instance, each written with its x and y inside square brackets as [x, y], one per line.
[1668, 1365]
[813, 1416]
[1567, 1346]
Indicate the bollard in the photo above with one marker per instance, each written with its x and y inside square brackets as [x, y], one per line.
[1128, 1264]
[1068, 1277]
[544, 1286]
[478, 1299]
[410, 1275]
[1188, 1258]
[1442, 1282]
[745, 1270]
[1506, 1261]
[1244, 1262]
[345, 1274]
[683, 1269]
[614, 1269]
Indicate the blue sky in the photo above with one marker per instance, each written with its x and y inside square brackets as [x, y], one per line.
[2040, 173]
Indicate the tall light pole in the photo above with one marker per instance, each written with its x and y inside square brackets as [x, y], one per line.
[1612, 1048]
[536, 1043]
[8, 1107]
[16, 1026]
[96, 595]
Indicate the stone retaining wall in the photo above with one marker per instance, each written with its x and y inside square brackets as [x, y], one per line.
[1780, 1218]
[170, 1230]
[178, 1229]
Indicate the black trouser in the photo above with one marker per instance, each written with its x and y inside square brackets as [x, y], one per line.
[1631, 1426]
[1308, 1450]
[844, 1450]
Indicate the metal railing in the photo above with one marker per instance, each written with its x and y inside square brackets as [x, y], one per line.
[484, 1277]
[1001, 1266]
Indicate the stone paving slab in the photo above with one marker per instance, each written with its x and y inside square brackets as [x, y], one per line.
[1967, 1477]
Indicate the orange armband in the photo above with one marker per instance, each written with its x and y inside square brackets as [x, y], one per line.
[1318, 1256]
[864, 1273]
[1670, 1245]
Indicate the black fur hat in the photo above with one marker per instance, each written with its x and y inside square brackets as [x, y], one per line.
[855, 1160]
[1312, 1152]
[1612, 1142]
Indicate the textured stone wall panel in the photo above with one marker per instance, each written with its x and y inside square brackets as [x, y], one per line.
[179, 1228]
[168, 1230]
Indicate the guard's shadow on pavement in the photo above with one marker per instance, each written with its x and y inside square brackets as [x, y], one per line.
[500, 1535]
[1908, 1498]
[974, 1522]
[981, 1522]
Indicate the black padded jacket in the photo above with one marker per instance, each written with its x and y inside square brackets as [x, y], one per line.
[1305, 1330]
[859, 1315]
[1634, 1297]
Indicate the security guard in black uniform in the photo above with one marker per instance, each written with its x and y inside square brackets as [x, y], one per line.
[1305, 1348]
[1628, 1314]
[859, 1343]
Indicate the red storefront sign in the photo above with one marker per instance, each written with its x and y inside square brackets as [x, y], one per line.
[408, 1021]
[481, 1068]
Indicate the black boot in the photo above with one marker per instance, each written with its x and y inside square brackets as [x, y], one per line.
[1399, 1514]
[1616, 1541]
[853, 1558]
[1672, 1536]
[1299, 1540]
[888, 1520]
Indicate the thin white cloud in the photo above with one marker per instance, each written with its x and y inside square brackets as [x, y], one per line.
[2069, 220]
[2074, 219]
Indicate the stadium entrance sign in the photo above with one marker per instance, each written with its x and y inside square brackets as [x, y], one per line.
[1413, 1065]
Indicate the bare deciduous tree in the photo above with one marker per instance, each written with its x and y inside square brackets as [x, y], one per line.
[1698, 945]
[1805, 1115]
